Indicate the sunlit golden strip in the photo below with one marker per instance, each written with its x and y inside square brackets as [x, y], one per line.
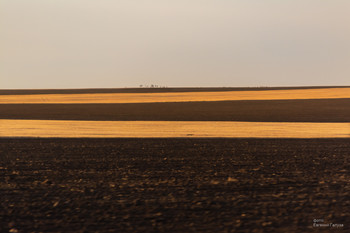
[142, 129]
[323, 93]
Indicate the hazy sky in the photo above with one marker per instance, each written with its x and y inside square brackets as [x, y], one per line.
[125, 43]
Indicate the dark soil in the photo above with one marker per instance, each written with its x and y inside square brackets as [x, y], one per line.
[150, 90]
[174, 185]
[321, 110]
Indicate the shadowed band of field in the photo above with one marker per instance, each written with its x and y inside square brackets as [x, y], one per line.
[321, 110]
[182, 185]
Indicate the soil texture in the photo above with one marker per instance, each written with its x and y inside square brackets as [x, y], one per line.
[174, 185]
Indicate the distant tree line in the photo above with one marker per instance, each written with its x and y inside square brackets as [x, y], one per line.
[152, 86]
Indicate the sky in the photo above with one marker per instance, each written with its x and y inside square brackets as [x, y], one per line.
[218, 43]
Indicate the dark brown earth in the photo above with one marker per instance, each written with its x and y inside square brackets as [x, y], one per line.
[321, 110]
[174, 185]
[150, 90]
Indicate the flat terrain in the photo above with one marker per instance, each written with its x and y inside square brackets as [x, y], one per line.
[322, 93]
[174, 185]
[171, 129]
[321, 110]
[151, 90]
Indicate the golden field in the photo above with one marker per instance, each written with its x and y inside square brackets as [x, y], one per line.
[164, 129]
[322, 93]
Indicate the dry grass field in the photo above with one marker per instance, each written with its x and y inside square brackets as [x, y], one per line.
[152, 90]
[322, 93]
[172, 129]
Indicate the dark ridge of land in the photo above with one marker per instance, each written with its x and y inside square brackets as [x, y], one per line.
[151, 90]
[174, 185]
[316, 110]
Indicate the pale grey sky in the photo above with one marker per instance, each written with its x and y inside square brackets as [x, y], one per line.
[125, 43]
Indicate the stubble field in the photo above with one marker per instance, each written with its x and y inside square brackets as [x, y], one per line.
[176, 184]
